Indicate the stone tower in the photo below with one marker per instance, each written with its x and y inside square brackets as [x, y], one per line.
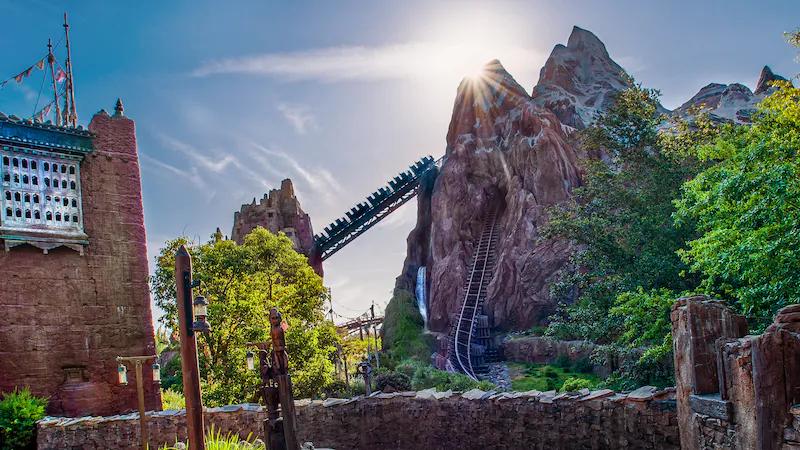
[278, 210]
[73, 258]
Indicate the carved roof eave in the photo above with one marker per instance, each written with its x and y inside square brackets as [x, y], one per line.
[30, 136]
[75, 242]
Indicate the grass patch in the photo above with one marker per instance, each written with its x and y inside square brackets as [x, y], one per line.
[544, 377]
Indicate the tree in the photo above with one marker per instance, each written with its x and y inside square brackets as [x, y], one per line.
[241, 283]
[626, 273]
[745, 206]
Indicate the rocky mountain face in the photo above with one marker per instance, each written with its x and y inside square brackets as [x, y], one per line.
[579, 80]
[732, 102]
[278, 210]
[511, 150]
[502, 148]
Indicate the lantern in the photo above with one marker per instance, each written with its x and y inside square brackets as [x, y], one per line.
[200, 313]
[122, 374]
[250, 361]
[156, 373]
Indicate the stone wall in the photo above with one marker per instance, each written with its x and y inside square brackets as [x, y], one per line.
[66, 313]
[415, 420]
[735, 391]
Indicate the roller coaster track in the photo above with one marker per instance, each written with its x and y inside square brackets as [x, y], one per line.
[467, 349]
[378, 206]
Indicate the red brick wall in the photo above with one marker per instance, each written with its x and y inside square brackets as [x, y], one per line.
[63, 309]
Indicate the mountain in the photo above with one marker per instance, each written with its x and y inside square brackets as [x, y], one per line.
[731, 102]
[579, 80]
[513, 151]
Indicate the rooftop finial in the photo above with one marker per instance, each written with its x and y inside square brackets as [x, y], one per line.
[119, 110]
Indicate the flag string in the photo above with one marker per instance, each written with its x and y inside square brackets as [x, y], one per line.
[25, 73]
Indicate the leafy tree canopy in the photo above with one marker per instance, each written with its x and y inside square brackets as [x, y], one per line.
[241, 283]
[745, 206]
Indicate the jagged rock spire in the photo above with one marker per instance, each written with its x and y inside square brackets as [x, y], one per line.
[765, 78]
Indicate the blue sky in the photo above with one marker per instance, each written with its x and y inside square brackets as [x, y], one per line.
[231, 97]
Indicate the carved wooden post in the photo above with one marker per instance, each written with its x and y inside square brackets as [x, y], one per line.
[189, 364]
[280, 367]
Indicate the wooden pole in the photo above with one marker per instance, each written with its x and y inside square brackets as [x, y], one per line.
[137, 363]
[51, 59]
[142, 413]
[189, 364]
[72, 113]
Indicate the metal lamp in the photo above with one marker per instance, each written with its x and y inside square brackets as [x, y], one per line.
[122, 374]
[251, 364]
[156, 373]
[200, 313]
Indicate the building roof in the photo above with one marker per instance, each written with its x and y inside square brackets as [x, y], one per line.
[15, 131]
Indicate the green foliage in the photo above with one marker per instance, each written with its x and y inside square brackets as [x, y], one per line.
[215, 440]
[393, 382]
[404, 335]
[573, 384]
[172, 375]
[241, 283]
[620, 284]
[425, 376]
[544, 377]
[172, 400]
[19, 411]
[745, 206]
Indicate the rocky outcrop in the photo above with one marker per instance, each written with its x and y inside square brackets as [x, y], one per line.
[278, 210]
[579, 80]
[505, 149]
[735, 390]
[731, 102]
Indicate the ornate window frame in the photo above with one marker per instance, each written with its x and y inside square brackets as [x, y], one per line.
[41, 202]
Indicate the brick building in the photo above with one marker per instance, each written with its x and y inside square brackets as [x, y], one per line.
[74, 293]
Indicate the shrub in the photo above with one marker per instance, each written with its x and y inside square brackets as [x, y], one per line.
[572, 384]
[19, 411]
[404, 336]
[393, 382]
[172, 400]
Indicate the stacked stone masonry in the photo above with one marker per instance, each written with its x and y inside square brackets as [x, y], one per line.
[415, 420]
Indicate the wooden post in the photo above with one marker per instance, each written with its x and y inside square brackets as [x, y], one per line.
[142, 414]
[189, 364]
[137, 364]
[280, 366]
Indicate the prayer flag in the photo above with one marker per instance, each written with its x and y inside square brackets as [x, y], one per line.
[40, 65]
[60, 75]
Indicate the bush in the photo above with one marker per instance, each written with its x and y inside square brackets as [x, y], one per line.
[573, 384]
[172, 400]
[339, 389]
[393, 382]
[19, 411]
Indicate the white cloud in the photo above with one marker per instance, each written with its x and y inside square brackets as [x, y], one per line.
[191, 175]
[417, 60]
[299, 116]
[320, 181]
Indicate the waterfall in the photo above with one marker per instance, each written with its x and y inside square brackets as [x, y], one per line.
[420, 293]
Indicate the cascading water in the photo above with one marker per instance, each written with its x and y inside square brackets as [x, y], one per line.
[420, 292]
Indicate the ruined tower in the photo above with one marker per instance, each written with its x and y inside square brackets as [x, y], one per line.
[278, 211]
[73, 255]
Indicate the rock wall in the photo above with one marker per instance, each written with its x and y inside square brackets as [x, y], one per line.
[278, 211]
[67, 316]
[735, 391]
[502, 148]
[415, 420]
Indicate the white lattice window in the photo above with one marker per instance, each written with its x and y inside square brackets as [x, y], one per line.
[40, 193]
